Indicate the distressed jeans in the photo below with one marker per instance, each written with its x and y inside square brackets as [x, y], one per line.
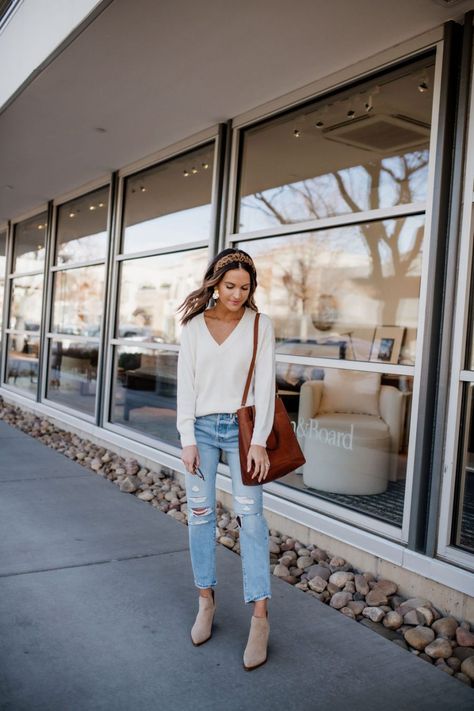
[213, 433]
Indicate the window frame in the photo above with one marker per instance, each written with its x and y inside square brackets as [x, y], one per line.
[232, 238]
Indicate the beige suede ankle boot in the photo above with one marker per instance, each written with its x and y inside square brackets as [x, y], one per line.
[202, 628]
[256, 650]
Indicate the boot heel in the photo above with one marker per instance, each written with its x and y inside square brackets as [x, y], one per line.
[256, 650]
[202, 629]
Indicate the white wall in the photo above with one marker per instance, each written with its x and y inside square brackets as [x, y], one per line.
[32, 33]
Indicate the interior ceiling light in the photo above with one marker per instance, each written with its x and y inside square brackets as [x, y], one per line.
[205, 166]
[185, 173]
[143, 189]
[91, 207]
[296, 133]
[194, 170]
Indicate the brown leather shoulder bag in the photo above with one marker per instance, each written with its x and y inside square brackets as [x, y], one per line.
[283, 449]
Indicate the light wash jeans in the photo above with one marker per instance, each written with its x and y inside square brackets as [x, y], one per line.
[213, 433]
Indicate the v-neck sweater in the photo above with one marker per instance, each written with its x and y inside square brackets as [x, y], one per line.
[212, 376]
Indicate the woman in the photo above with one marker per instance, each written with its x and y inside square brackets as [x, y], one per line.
[213, 363]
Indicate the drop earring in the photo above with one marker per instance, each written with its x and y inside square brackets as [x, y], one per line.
[215, 295]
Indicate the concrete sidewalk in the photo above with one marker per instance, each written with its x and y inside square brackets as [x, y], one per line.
[97, 600]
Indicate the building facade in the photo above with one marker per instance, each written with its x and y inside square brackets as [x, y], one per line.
[355, 197]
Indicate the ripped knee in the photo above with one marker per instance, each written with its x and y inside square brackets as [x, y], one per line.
[199, 512]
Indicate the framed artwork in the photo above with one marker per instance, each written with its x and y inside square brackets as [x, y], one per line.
[387, 344]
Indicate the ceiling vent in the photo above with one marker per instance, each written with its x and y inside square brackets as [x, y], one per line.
[381, 133]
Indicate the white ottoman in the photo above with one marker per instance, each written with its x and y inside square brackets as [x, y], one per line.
[347, 453]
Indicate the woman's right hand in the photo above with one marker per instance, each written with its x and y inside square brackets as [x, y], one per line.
[190, 458]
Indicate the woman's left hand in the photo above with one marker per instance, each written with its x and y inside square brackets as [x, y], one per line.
[259, 455]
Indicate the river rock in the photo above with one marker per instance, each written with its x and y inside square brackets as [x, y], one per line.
[413, 617]
[340, 578]
[388, 587]
[419, 637]
[464, 638]
[373, 613]
[445, 627]
[467, 667]
[281, 571]
[129, 484]
[393, 620]
[320, 570]
[439, 648]
[362, 586]
[340, 599]
[376, 597]
[356, 606]
[317, 583]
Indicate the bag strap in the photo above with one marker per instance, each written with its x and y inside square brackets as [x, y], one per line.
[252, 363]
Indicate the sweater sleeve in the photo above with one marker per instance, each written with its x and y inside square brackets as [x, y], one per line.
[186, 392]
[264, 382]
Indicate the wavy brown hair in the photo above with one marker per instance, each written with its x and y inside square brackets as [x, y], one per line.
[196, 302]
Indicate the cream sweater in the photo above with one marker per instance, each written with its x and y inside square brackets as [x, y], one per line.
[211, 377]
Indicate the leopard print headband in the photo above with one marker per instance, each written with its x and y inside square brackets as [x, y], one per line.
[234, 257]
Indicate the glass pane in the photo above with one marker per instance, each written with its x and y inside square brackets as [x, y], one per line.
[463, 523]
[144, 394]
[318, 162]
[170, 203]
[23, 362]
[82, 228]
[28, 244]
[353, 428]
[25, 312]
[78, 301]
[348, 292]
[151, 290]
[72, 374]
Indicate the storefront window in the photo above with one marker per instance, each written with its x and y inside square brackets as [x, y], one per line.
[26, 295]
[144, 393]
[349, 292]
[151, 290]
[360, 151]
[73, 373]
[167, 208]
[82, 228]
[29, 245]
[23, 362]
[462, 535]
[78, 301]
[353, 429]
[169, 203]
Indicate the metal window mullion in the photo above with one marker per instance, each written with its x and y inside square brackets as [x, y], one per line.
[347, 220]
[6, 301]
[58, 336]
[433, 374]
[143, 345]
[77, 265]
[107, 304]
[22, 332]
[46, 302]
[33, 272]
[170, 249]
[112, 300]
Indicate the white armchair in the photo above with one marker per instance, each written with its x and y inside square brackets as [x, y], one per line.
[350, 437]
